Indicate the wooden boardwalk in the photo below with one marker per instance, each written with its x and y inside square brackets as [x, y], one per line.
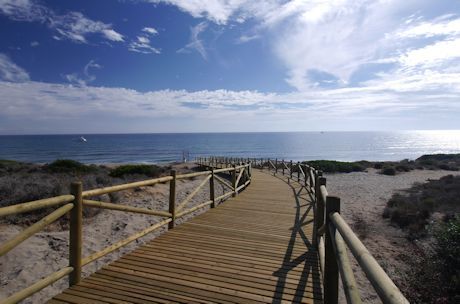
[253, 248]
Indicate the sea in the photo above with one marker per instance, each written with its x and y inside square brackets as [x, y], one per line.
[177, 147]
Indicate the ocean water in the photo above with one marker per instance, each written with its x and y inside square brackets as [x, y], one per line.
[162, 148]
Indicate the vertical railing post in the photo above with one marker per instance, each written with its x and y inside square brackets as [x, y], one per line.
[282, 162]
[211, 190]
[298, 172]
[234, 180]
[290, 167]
[276, 165]
[320, 205]
[172, 199]
[331, 271]
[76, 231]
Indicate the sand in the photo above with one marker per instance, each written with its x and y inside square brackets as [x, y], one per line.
[363, 195]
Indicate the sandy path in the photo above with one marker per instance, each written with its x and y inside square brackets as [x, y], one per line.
[47, 251]
[363, 198]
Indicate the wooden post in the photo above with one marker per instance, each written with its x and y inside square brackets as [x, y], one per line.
[234, 181]
[211, 190]
[172, 199]
[320, 205]
[307, 174]
[290, 166]
[298, 172]
[76, 231]
[276, 165]
[331, 271]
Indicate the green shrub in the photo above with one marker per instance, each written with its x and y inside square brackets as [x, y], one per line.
[68, 166]
[438, 157]
[413, 209]
[388, 171]
[448, 249]
[6, 163]
[436, 277]
[148, 170]
[378, 165]
[332, 166]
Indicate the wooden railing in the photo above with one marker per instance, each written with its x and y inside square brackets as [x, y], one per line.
[78, 199]
[331, 234]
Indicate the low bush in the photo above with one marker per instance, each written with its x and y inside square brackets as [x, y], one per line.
[69, 166]
[147, 170]
[412, 209]
[436, 276]
[448, 256]
[388, 171]
[332, 166]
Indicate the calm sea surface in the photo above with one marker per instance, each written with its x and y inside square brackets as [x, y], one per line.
[160, 148]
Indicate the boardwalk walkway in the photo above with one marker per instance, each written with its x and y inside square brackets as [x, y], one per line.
[254, 248]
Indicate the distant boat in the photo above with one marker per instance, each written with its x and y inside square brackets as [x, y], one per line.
[82, 139]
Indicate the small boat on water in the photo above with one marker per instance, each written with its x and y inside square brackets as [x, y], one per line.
[82, 139]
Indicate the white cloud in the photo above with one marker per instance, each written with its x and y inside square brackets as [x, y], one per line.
[247, 38]
[150, 30]
[437, 27]
[9, 71]
[340, 37]
[218, 11]
[142, 45]
[433, 55]
[85, 77]
[73, 26]
[112, 35]
[195, 42]
[34, 44]
[23, 10]
[142, 42]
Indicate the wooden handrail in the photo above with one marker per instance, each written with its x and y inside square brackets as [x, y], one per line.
[110, 206]
[37, 286]
[34, 205]
[346, 273]
[384, 286]
[122, 243]
[28, 232]
[191, 195]
[105, 190]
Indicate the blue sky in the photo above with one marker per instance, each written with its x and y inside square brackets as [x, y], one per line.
[112, 66]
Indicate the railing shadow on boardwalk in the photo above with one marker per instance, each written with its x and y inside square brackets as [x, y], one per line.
[309, 257]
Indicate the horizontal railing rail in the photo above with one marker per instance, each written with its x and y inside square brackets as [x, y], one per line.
[78, 199]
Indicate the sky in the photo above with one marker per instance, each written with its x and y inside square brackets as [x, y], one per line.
[146, 66]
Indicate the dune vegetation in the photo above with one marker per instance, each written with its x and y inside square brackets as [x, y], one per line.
[429, 212]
